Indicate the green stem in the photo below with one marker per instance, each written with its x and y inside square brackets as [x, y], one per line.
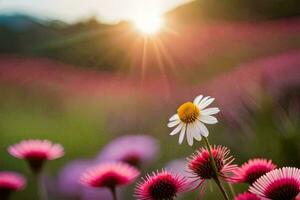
[231, 190]
[218, 182]
[114, 193]
[214, 166]
[41, 189]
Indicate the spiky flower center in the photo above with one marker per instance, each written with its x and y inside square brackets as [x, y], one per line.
[188, 112]
[202, 166]
[163, 189]
[36, 164]
[132, 159]
[256, 172]
[284, 189]
[109, 179]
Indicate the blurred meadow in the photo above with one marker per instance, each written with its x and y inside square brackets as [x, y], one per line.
[87, 82]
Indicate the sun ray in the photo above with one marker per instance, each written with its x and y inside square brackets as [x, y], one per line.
[162, 69]
[167, 55]
[144, 60]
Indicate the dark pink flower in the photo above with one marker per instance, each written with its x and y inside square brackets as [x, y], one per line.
[143, 151]
[250, 171]
[200, 166]
[160, 186]
[109, 175]
[9, 182]
[36, 152]
[70, 188]
[247, 196]
[279, 184]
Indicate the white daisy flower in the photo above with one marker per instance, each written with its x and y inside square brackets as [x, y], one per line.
[191, 117]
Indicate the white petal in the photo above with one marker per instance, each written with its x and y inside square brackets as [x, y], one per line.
[189, 135]
[182, 133]
[197, 136]
[196, 132]
[176, 130]
[173, 123]
[174, 117]
[204, 104]
[203, 129]
[198, 99]
[203, 100]
[210, 111]
[208, 119]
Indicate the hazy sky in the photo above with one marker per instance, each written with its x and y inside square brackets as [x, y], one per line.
[72, 10]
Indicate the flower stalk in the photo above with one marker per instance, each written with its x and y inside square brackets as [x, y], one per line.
[114, 193]
[41, 189]
[232, 191]
[214, 166]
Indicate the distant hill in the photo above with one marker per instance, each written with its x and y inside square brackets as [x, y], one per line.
[18, 33]
[235, 10]
[19, 22]
[83, 44]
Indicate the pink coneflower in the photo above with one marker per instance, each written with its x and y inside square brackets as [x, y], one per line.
[36, 152]
[9, 182]
[250, 171]
[143, 151]
[247, 196]
[109, 175]
[160, 186]
[200, 166]
[279, 184]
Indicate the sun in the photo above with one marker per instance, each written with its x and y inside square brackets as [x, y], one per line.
[148, 24]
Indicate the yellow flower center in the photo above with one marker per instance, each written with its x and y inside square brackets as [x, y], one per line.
[188, 112]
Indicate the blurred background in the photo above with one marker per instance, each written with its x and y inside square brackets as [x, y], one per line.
[83, 73]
